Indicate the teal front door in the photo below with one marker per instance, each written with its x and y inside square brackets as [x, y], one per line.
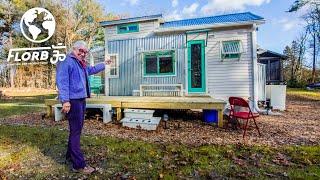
[196, 67]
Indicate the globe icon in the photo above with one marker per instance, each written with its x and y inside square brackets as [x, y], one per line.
[37, 25]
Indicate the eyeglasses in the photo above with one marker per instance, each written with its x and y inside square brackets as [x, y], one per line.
[83, 51]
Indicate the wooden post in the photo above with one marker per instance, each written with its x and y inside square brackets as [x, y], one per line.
[181, 90]
[49, 111]
[220, 118]
[141, 90]
[119, 114]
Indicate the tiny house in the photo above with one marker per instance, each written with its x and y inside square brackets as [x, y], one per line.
[209, 56]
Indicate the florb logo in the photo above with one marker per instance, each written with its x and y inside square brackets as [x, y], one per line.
[37, 25]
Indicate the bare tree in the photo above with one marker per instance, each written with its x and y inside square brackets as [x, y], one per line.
[312, 18]
[300, 52]
[75, 19]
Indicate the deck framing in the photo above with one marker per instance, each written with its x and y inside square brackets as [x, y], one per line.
[123, 102]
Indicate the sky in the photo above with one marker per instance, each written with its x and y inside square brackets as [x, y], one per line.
[280, 29]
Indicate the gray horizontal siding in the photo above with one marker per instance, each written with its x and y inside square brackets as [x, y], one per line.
[131, 62]
[145, 29]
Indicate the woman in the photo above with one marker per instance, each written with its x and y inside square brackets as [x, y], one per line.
[73, 86]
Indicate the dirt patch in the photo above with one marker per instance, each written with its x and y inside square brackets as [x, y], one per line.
[299, 125]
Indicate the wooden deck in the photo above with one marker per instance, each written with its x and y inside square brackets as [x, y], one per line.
[122, 102]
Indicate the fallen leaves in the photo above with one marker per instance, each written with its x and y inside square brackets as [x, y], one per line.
[281, 159]
[299, 125]
[161, 176]
[2, 175]
[116, 158]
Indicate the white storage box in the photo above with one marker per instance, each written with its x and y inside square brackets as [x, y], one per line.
[141, 123]
[138, 113]
[277, 96]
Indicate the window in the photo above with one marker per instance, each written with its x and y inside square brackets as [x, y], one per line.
[274, 70]
[151, 64]
[231, 49]
[128, 28]
[159, 63]
[113, 68]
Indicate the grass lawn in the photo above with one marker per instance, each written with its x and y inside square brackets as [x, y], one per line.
[19, 105]
[38, 153]
[304, 94]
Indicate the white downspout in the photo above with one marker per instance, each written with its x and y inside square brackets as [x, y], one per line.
[254, 100]
[106, 74]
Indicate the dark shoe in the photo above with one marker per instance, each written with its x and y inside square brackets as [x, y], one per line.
[67, 160]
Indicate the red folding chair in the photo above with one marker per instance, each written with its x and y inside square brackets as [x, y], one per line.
[240, 109]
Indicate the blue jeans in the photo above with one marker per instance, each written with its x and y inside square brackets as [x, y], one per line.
[76, 117]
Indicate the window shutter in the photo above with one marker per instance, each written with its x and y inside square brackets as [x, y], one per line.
[231, 49]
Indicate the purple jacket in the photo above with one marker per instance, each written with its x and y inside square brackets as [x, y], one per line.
[73, 80]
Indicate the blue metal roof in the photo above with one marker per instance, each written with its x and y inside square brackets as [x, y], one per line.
[228, 18]
[128, 20]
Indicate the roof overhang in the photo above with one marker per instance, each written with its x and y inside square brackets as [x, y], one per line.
[272, 54]
[131, 20]
[207, 26]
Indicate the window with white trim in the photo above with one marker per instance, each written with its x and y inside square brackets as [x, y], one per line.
[113, 67]
[231, 49]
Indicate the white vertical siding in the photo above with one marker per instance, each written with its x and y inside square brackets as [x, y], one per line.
[261, 80]
[131, 62]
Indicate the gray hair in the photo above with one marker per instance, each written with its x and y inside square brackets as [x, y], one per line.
[79, 44]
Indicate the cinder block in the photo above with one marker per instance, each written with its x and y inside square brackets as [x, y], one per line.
[106, 109]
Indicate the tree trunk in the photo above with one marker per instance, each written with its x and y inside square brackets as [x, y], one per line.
[12, 74]
[292, 69]
[314, 60]
[12, 68]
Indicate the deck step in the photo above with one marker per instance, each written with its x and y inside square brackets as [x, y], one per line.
[141, 123]
[138, 113]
